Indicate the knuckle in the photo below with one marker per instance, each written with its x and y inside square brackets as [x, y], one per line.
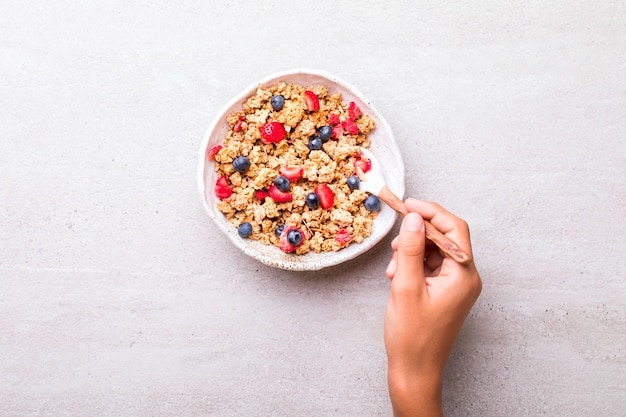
[462, 224]
[435, 205]
[477, 285]
[412, 248]
[403, 290]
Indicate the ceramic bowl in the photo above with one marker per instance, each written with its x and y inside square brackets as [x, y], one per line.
[383, 145]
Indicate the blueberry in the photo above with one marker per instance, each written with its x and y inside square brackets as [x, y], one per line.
[279, 230]
[244, 229]
[372, 203]
[282, 183]
[353, 182]
[277, 102]
[312, 200]
[294, 237]
[241, 164]
[315, 143]
[325, 133]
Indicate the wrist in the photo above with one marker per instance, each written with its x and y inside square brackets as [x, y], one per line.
[415, 395]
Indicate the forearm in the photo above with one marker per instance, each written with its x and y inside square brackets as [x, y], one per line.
[415, 396]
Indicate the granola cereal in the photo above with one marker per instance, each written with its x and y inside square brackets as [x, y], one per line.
[283, 167]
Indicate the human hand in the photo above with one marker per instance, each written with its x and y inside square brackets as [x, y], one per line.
[429, 299]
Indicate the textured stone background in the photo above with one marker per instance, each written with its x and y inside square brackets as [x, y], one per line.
[119, 297]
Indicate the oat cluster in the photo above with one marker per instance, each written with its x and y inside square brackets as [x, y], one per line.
[253, 197]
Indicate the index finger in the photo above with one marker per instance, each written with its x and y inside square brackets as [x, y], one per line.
[447, 223]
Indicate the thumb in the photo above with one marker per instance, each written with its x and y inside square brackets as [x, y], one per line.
[411, 242]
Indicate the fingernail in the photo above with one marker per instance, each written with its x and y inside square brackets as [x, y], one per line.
[413, 223]
[391, 268]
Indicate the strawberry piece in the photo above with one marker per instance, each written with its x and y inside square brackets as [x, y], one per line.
[353, 110]
[333, 119]
[284, 243]
[223, 192]
[237, 127]
[222, 181]
[261, 194]
[214, 150]
[241, 124]
[311, 100]
[222, 188]
[279, 196]
[338, 131]
[351, 127]
[272, 132]
[326, 195]
[362, 163]
[285, 246]
[292, 173]
[343, 236]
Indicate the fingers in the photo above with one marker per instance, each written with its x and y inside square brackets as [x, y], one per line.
[409, 268]
[432, 262]
[432, 259]
[393, 265]
[447, 223]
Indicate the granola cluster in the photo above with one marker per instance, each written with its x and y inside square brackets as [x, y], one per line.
[284, 131]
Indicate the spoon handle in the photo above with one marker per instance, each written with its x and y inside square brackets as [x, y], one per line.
[392, 200]
[444, 243]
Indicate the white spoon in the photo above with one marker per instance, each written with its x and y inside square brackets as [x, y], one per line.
[374, 182]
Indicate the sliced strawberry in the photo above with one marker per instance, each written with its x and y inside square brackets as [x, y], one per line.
[223, 192]
[292, 173]
[326, 195]
[222, 188]
[311, 100]
[353, 110]
[338, 131]
[261, 194]
[222, 181]
[351, 127]
[343, 236]
[362, 163]
[272, 132]
[284, 243]
[285, 246]
[333, 119]
[279, 196]
[214, 150]
[237, 126]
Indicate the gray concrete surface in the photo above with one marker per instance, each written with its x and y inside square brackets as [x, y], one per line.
[118, 297]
